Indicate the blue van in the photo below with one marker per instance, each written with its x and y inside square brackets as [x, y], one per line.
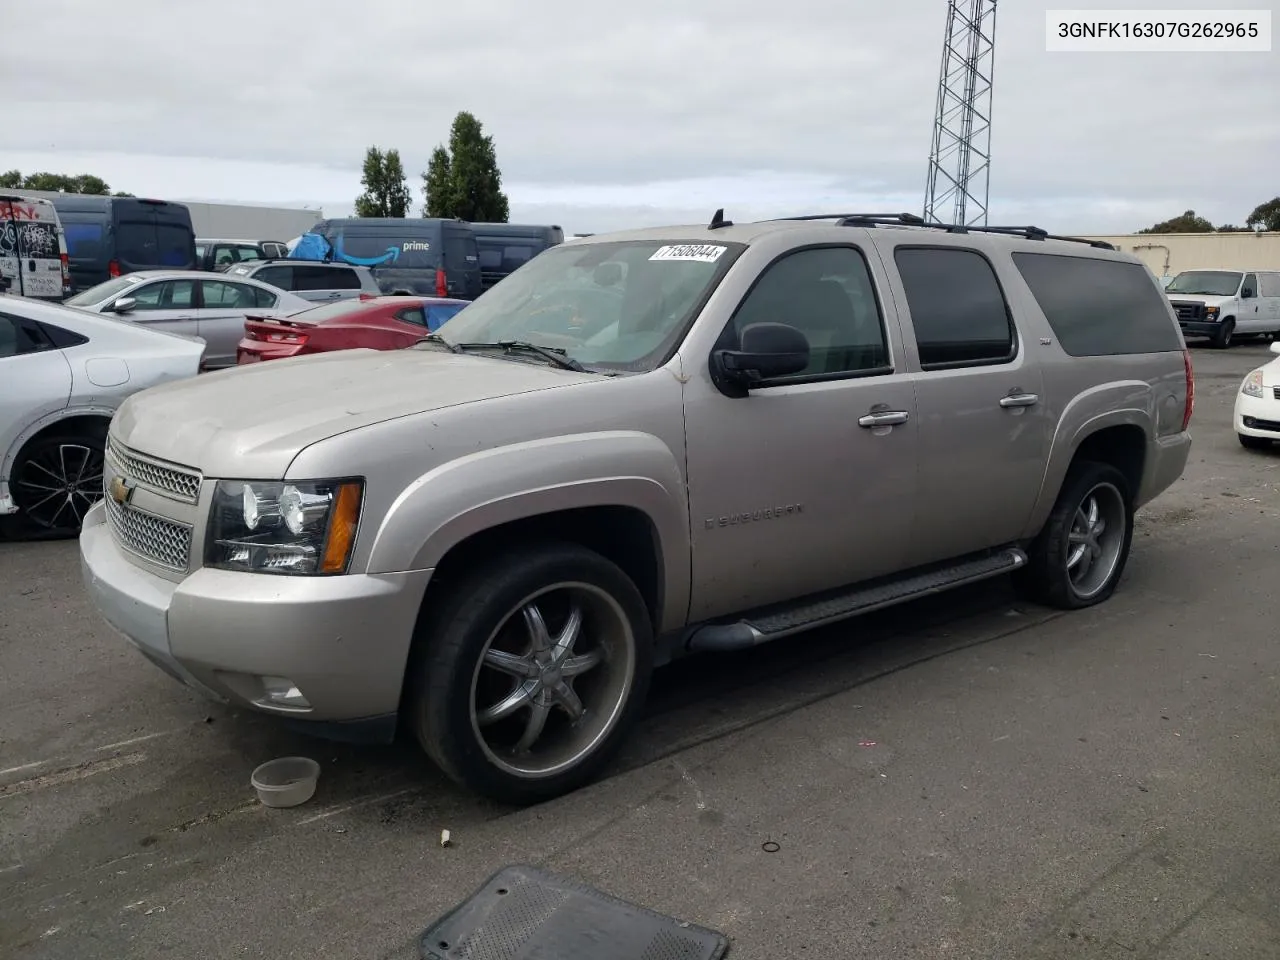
[406, 255]
[505, 247]
[111, 236]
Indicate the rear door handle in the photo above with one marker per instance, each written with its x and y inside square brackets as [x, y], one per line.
[1019, 400]
[886, 418]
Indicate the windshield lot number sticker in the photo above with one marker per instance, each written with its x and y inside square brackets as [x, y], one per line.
[700, 252]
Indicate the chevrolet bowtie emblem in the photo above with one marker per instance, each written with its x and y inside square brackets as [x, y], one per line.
[120, 489]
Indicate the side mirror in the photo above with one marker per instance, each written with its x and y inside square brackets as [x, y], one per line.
[1248, 293]
[124, 305]
[768, 350]
[1275, 346]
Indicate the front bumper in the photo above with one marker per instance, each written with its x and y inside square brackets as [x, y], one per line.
[1199, 328]
[1258, 417]
[343, 641]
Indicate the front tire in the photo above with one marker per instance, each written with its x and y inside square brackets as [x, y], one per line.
[1080, 555]
[1221, 339]
[531, 672]
[56, 479]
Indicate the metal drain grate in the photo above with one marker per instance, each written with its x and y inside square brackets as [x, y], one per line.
[523, 913]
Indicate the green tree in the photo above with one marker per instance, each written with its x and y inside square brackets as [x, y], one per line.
[464, 181]
[386, 191]
[1187, 223]
[1232, 228]
[1265, 216]
[54, 182]
[437, 186]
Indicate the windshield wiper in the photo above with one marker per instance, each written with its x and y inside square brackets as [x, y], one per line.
[554, 355]
[437, 339]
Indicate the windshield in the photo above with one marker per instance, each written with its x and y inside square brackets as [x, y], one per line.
[621, 305]
[1210, 283]
[103, 291]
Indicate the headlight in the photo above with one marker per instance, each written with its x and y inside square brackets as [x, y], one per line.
[1252, 386]
[287, 528]
[1211, 312]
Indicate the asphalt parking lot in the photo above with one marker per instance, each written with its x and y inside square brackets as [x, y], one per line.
[963, 778]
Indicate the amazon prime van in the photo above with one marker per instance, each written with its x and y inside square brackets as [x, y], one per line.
[33, 249]
[408, 255]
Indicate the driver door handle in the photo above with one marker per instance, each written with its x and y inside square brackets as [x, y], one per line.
[1019, 400]
[885, 418]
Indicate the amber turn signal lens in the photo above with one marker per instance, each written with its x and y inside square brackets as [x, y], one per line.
[342, 529]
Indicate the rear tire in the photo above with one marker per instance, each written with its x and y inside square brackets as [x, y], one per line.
[56, 479]
[1080, 555]
[529, 674]
[1221, 339]
[1253, 443]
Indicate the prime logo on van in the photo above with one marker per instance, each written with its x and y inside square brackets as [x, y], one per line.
[420, 245]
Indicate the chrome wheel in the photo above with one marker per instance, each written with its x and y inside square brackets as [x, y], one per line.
[58, 483]
[1096, 540]
[553, 680]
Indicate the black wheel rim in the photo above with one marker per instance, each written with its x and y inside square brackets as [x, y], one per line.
[56, 487]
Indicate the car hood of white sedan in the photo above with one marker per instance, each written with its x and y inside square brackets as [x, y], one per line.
[252, 421]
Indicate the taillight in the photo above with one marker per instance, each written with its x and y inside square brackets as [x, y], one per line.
[66, 273]
[442, 286]
[1191, 389]
[113, 269]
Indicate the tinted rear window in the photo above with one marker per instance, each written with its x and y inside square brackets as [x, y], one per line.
[83, 239]
[1099, 307]
[152, 244]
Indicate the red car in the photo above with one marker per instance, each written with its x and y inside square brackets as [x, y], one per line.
[378, 323]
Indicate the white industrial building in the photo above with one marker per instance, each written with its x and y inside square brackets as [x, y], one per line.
[1168, 254]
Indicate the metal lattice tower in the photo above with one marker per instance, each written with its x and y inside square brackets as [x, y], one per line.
[960, 159]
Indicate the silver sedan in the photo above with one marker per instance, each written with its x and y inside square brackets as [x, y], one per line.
[63, 373]
[210, 306]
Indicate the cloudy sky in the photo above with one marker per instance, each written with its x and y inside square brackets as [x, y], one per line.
[614, 115]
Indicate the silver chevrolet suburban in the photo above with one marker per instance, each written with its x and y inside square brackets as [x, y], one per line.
[639, 445]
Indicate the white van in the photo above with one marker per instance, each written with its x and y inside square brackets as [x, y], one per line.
[1222, 304]
[33, 249]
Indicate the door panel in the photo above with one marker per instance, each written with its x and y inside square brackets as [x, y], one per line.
[37, 382]
[223, 305]
[984, 427]
[788, 493]
[1251, 312]
[168, 305]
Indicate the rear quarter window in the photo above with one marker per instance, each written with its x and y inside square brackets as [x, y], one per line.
[1099, 308]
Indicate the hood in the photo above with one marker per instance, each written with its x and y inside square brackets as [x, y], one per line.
[1203, 298]
[251, 421]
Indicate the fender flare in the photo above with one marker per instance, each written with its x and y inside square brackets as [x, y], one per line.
[1067, 440]
[488, 488]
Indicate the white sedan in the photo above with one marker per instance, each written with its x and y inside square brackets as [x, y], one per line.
[1257, 415]
[210, 306]
[63, 373]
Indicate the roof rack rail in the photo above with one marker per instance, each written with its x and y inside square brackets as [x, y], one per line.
[912, 220]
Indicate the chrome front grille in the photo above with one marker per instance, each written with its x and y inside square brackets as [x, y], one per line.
[164, 542]
[171, 480]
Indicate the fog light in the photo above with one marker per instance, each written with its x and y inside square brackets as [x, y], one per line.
[283, 692]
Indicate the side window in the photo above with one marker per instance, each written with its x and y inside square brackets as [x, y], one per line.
[165, 295]
[1270, 285]
[18, 337]
[336, 278]
[1099, 307]
[957, 308]
[460, 252]
[413, 315]
[1250, 286]
[439, 314]
[247, 253]
[219, 294]
[263, 298]
[827, 295]
[280, 277]
[224, 255]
